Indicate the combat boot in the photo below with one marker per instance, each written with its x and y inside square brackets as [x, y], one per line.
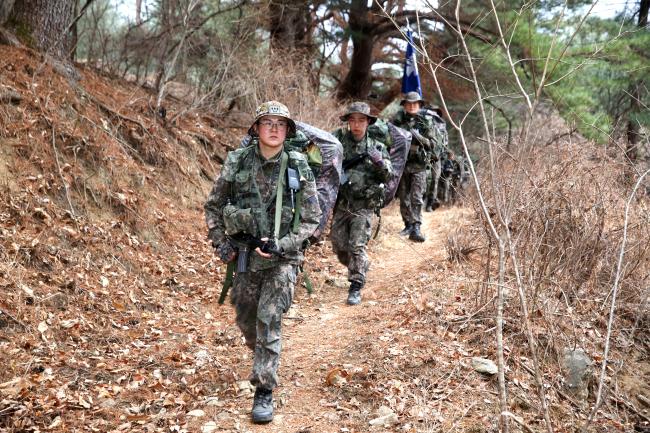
[429, 207]
[407, 229]
[354, 294]
[416, 235]
[262, 406]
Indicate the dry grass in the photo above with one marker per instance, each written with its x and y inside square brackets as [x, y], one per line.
[564, 208]
[288, 82]
[461, 243]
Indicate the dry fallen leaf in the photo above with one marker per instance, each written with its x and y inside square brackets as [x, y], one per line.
[209, 427]
[67, 324]
[337, 377]
[42, 327]
[55, 423]
[29, 292]
[196, 413]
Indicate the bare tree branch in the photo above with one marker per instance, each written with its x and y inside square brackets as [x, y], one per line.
[612, 309]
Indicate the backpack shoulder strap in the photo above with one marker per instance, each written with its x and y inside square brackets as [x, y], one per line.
[278, 195]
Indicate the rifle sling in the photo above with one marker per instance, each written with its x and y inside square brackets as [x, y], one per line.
[227, 282]
[278, 196]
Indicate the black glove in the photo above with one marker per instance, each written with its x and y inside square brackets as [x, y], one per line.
[376, 157]
[270, 247]
[226, 251]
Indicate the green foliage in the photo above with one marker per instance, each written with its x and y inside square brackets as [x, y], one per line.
[599, 70]
[589, 68]
[589, 74]
[98, 31]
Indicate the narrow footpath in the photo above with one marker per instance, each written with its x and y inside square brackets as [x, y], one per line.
[328, 345]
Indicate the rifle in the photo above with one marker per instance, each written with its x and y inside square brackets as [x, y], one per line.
[378, 213]
[352, 162]
[245, 243]
[355, 160]
[420, 139]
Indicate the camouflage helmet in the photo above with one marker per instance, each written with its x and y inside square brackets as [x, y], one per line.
[361, 108]
[412, 97]
[274, 108]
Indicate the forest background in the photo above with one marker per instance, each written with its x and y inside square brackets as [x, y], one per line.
[101, 114]
[591, 69]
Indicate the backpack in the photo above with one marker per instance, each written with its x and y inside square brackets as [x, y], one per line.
[434, 114]
[398, 142]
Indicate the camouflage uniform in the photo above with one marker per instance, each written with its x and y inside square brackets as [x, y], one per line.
[435, 188]
[459, 178]
[448, 184]
[414, 180]
[243, 200]
[358, 199]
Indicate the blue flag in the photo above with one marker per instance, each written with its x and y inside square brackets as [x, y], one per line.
[411, 78]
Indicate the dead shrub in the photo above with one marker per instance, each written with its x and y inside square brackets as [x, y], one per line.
[564, 209]
[462, 242]
[288, 82]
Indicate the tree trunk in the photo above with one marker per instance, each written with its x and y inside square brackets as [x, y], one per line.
[43, 25]
[74, 33]
[632, 129]
[644, 7]
[138, 12]
[289, 22]
[5, 10]
[358, 81]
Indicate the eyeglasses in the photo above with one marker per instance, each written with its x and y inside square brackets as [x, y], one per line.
[269, 124]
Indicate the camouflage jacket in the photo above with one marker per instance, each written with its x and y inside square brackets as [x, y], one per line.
[246, 190]
[365, 182]
[423, 148]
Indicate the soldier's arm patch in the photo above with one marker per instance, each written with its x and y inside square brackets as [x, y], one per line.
[231, 165]
[306, 175]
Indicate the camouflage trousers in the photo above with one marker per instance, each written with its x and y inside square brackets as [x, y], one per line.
[411, 196]
[433, 182]
[350, 234]
[260, 299]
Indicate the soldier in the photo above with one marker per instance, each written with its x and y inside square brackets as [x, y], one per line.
[366, 167]
[450, 173]
[414, 179]
[434, 174]
[462, 176]
[265, 200]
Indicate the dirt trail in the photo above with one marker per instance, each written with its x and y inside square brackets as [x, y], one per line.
[323, 335]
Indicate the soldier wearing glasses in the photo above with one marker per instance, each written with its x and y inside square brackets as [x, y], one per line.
[266, 193]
